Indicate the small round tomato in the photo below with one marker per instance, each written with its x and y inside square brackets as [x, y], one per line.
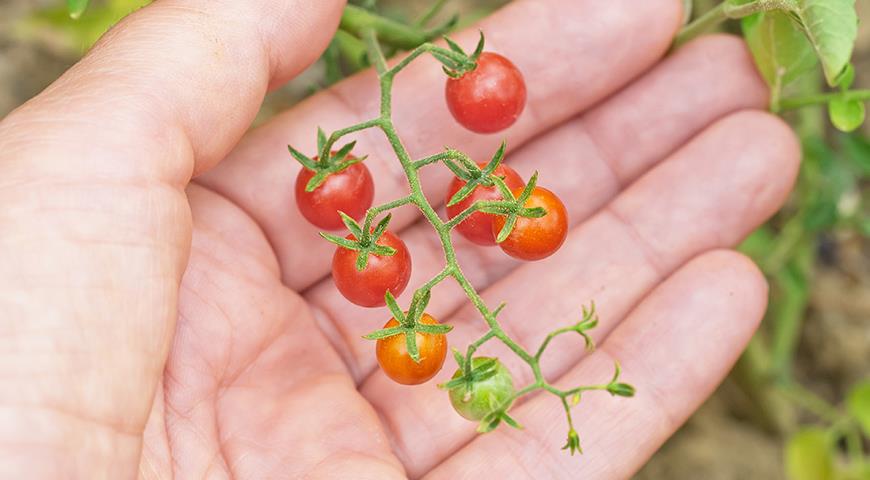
[350, 191]
[489, 98]
[394, 360]
[536, 238]
[367, 288]
[485, 396]
[478, 226]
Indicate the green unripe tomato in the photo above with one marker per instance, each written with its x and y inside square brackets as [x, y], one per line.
[484, 396]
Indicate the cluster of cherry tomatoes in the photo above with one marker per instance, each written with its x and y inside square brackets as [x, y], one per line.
[487, 99]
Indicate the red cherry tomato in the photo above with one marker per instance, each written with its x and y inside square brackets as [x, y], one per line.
[490, 97]
[478, 226]
[536, 238]
[350, 191]
[394, 360]
[367, 288]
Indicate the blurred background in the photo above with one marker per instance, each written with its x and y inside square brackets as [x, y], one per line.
[795, 405]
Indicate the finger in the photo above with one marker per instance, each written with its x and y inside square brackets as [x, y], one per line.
[95, 228]
[708, 195]
[675, 348]
[586, 160]
[601, 46]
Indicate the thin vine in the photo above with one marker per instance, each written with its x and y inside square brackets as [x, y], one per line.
[455, 62]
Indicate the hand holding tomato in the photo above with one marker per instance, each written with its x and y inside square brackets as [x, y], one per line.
[172, 327]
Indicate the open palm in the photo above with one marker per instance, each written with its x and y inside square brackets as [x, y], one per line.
[130, 348]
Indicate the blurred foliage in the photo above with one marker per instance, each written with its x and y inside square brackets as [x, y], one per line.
[87, 26]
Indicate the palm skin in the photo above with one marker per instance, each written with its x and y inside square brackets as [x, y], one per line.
[170, 328]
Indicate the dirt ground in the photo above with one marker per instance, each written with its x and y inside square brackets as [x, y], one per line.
[717, 443]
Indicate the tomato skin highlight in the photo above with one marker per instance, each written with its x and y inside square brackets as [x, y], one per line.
[484, 396]
[399, 366]
[536, 238]
[367, 288]
[350, 191]
[478, 226]
[489, 98]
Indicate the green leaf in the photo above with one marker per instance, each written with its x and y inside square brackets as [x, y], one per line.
[848, 78]
[780, 49]
[76, 8]
[858, 405]
[832, 28]
[808, 456]
[846, 115]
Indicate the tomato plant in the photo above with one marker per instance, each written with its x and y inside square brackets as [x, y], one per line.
[350, 191]
[383, 273]
[478, 226]
[372, 266]
[536, 238]
[488, 98]
[396, 361]
[476, 399]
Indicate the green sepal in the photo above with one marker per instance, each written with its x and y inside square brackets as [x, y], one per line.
[489, 422]
[460, 359]
[383, 251]
[507, 228]
[397, 312]
[381, 227]
[453, 167]
[479, 48]
[511, 421]
[419, 302]
[527, 191]
[411, 345]
[385, 333]
[573, 443]
[536, 212]
[362, 260]
[495, 161]
[352, 226]
[463, 192]
[321, 142]
[454, 46]
[316, 180]
[341, 241]
[300, 157]
[342, 153]
[433, 329]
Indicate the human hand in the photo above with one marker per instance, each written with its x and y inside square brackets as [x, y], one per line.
[164, 327]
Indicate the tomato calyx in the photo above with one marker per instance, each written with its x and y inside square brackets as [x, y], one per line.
[459, 63]
[409, 322]
[366, 243]
[515, 206]
[326, 163]
[474, 176]
[573, 443]
[478, 373]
